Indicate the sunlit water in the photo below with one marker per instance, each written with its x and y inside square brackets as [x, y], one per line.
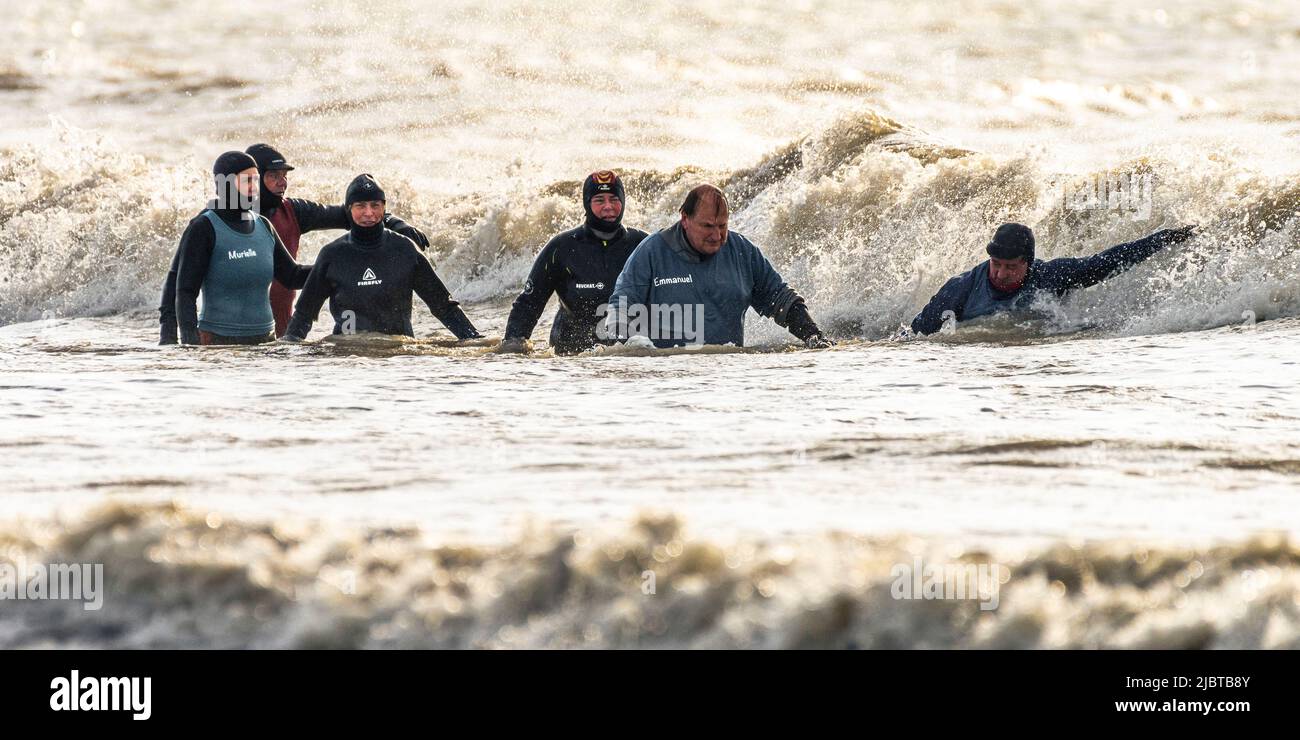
[1131, 454]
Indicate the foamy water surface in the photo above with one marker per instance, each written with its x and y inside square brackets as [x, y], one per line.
[1131, 454]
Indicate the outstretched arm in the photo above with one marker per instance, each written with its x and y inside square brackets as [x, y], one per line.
[313, 216]
[1072, 273]
[393, 223]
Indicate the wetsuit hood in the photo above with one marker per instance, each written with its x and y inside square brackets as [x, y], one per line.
[228, 203]
[600, 183]
[268, 160]
[362, 189]
[605, 236]
[367, 235]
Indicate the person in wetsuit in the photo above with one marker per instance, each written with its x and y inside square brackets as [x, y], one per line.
[230, 254]
[369, 275]
[579, 266]
[291, 217]
[1011, 277]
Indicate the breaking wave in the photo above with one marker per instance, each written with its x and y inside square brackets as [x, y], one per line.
[178, 577]
[867, 218]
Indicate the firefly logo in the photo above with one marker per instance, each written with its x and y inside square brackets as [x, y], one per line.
[369, 278]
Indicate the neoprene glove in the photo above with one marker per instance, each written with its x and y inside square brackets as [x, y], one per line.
[817, 341]
[393, 223]
[513, 346]
[1180, 234]
[801, 324]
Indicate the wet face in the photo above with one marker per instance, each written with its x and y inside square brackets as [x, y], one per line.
[239, 190]
[707, 229]
[367, 212]
[246, 181]
[1007, 275]
[276, 181]
[606, 206]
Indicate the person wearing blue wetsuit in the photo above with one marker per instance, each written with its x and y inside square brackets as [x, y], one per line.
[580, 267]
[693, 282]
[230, 254]
[369, 276]
[1011, 277]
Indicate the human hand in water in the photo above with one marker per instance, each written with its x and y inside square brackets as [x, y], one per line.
[514, 346]
[817, 341]
[1176, 235]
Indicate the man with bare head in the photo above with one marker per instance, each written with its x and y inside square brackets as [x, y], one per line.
[692, 283]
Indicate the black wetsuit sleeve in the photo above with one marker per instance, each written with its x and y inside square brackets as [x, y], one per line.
[393, 223]
[314, 294]
[951, 297]
[194, 256]
[313, 216]
[772, 296]
[167, 306]
[542, 282]
[800, 322]
[288, 272]
[1072, 273]
[431, 290]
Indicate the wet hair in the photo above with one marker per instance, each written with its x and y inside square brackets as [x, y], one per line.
[700, 194]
